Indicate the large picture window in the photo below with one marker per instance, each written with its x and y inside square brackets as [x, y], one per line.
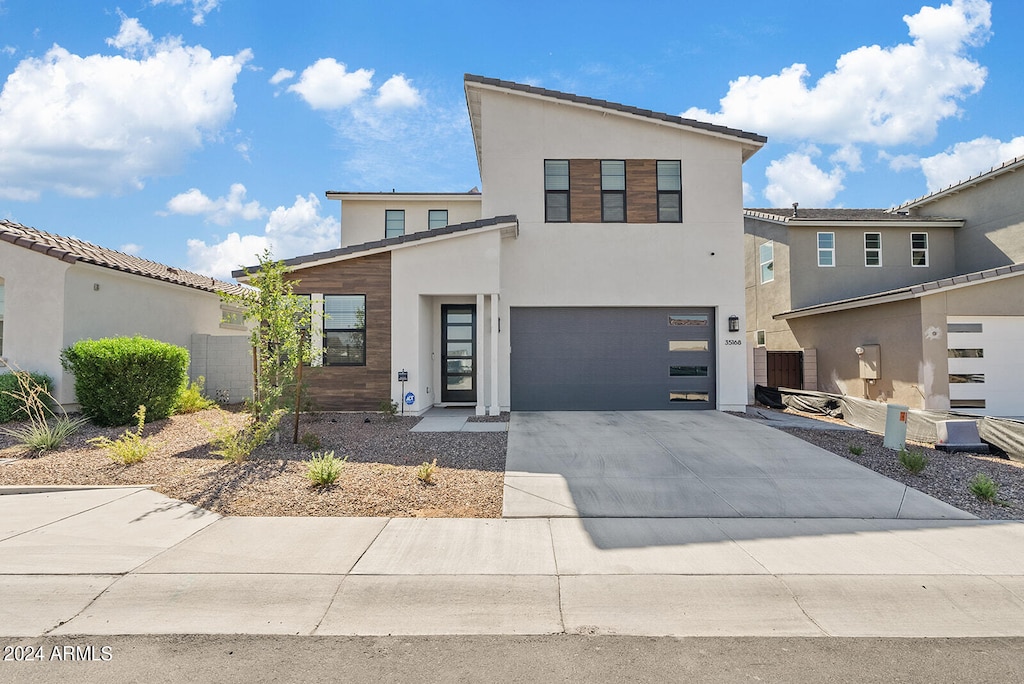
[670, 192]
[613, 191]
[556, 190]
[344, 330]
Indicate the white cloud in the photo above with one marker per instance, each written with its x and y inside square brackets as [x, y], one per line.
[795, 178]
[886, 96]
[326, 84]
[968, 159]
[281, 75]
[748, 193]
[130, 248]
[398, 92]
[849, 156]
[98, 124]
[200, 8]
[900, 162]
[222, 211]
[132, 37]
[9, 50]
[290, 231]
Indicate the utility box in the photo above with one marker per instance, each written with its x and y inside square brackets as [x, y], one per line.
[870, 356]
[895, 427]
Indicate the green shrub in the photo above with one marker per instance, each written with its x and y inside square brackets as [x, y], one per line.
[11, 407]
[856, 450]
[388, 407]
[192, 398]
[130, 447]
[985, 488]
[913, 461]
[115, 375]
[311, 441]
[324, 469]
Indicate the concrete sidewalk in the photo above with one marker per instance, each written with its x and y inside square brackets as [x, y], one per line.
[131, 561]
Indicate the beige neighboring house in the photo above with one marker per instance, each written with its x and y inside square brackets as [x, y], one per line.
[56, 290]
[921, 305]
[599, 268]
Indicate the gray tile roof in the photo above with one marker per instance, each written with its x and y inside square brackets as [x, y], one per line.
[614, 106]
[390, 242]
[72, 250]
[811, 215]
[910, 291]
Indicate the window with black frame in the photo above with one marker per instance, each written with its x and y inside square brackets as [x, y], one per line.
[670, 192]
[556, 190]
[344, 330]
[613, 191]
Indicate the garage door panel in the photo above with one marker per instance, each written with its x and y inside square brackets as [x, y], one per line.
[612, 358]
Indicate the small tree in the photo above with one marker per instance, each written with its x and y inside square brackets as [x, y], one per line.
[279, 337]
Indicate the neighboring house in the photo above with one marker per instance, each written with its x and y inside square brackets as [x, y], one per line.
[598, 269]
[55, 291]
[920, 305]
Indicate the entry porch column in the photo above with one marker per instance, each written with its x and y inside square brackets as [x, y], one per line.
[495, 406]
[481, 409]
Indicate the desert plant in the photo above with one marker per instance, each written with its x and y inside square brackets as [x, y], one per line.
[192, 398]
[388, 407]
[425, 473]
[12, 408]
[130, 447]
[311, 441]
[324, 469]
[985, 488]
[114, 375]
[856, 450]
[278, 337]
[914, 461]
[44, 429]
[237, 445]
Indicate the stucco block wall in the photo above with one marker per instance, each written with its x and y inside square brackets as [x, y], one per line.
[225, 363]
[763, 300]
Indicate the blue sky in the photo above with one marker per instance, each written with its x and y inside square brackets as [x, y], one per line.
[199, 132]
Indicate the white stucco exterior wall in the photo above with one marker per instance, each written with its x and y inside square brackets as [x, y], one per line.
[363, 216]
[698, 262]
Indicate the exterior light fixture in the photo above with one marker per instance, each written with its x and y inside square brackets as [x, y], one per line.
[734, 323]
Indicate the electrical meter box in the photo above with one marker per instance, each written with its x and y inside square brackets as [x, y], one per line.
[870, 362]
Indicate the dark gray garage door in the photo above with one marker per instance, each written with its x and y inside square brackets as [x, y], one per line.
[612, 358]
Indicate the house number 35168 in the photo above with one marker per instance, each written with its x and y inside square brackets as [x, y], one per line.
[733, 342]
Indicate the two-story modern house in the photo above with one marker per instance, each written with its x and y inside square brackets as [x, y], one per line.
[920, 305]
[599, 268]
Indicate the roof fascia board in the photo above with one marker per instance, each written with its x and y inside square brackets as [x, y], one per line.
[422, 196]
[940, 223]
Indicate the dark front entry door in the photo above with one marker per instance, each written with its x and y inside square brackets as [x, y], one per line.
[458, 353]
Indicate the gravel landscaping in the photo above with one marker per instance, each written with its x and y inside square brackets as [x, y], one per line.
[379, 478]
[383, 456]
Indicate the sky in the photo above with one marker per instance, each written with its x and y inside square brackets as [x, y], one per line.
[199, 133]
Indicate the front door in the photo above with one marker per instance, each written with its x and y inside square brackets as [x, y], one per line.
[458, 353]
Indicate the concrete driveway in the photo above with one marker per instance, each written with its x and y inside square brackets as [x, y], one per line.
[689, 464]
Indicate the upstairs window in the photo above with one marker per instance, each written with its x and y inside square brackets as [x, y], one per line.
[872, 249]
[826, 249]
[437, 218]
[919, 249]
[670, 192]
[556, 190]
[344, 338]
[767, 258]
[394, 223]
[613, 191]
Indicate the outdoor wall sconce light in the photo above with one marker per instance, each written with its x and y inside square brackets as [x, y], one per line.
[734, 323]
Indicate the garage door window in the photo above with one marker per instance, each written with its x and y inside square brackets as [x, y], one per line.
[675, 320]
[688, 371]
[688, 396]
[687, 345]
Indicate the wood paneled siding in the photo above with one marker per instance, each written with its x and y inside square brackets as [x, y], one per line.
[585, 191]
[354, 388]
